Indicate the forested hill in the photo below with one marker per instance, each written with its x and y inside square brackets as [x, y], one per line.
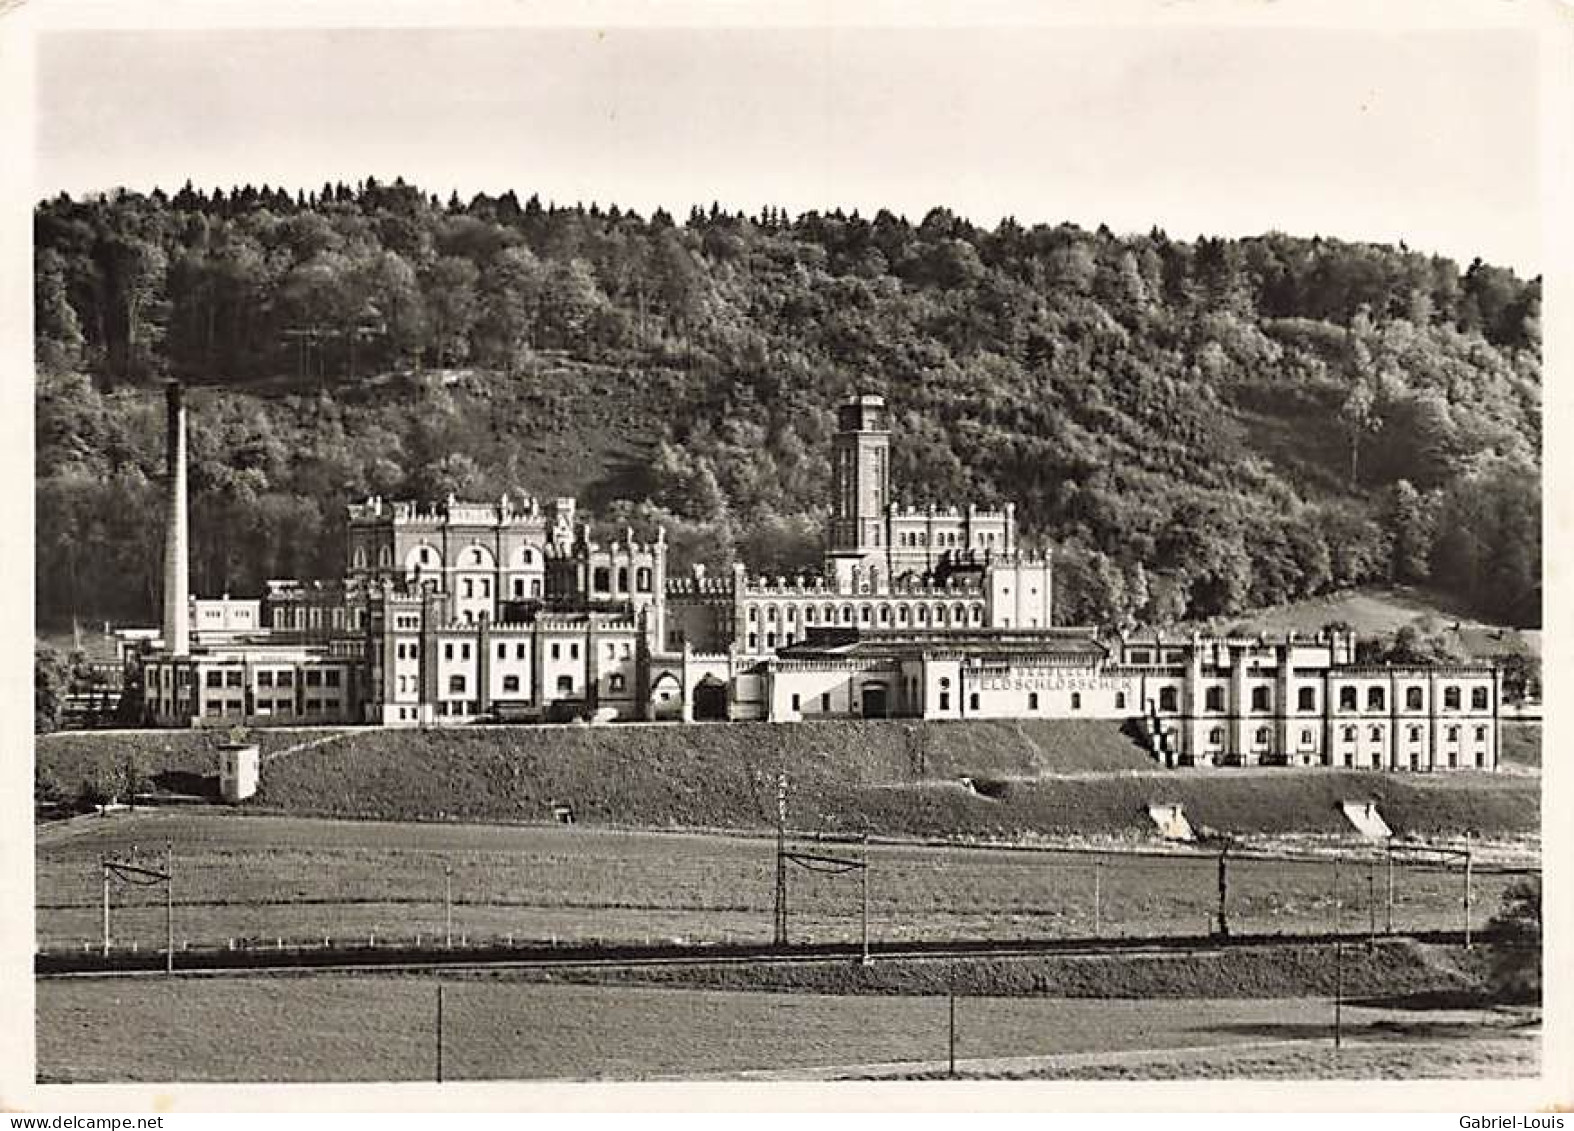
[1197, 427]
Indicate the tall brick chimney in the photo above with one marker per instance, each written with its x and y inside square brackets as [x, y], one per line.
[177, 616]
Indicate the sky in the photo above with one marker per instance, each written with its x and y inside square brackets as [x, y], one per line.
[1426, 137]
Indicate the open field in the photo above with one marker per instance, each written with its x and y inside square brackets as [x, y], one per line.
[1031, 779]
[383, 1028]
[302, 879]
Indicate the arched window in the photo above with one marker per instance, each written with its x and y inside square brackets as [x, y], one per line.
[753, 614]
[1412, 698]
[885, 614]
[1478, 699]
[1415, 734]
[1214, 699]
[901, 614]
[1349, 734]
[1262, 736]
[565, 683]
[1306, 699]
[1259, 699]
[385, 556]
[1032, 700]
[1120, 700]
[1076, 700]
[1347, 698]
[642, 579]
[847, 614]
[1375, 734]
[865, 614]
[770, 613]
[978, 614]
[1375, 699]
[1451, 698]
[808, 614]
[623, 579]
[972, 701]
[615, 682]
[1453, 734]
[360, 558]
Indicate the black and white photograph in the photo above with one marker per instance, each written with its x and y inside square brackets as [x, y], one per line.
[784, 548]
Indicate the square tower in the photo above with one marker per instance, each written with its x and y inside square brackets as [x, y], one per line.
[860, 478]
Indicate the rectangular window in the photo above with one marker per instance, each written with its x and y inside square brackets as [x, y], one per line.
[945, 700]
[795, 703]
[511, 684]
[556, 652]
[264, 679]
[464, 651]
[331, 677]
[519, 651]
[573, 651]
[286, 679]
[314, 678]
[448, 651]
[502, 651]
[825, 702]
[214, 679]
[456, 685]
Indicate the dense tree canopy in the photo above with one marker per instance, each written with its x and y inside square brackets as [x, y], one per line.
[1197, 427]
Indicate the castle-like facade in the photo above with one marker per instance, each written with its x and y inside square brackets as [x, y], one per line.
[510, 611]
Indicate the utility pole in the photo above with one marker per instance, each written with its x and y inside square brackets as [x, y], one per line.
[448, 905]
[951, 1010]
[1098, 884]
[1224, 890]
[169, 910]
[1371, 899]
[781, 860]
[439, 1032]
[1390, 908]
[1338, 993]
[1338, 901]
[103, 865]
[1467, 889]
[867, 960]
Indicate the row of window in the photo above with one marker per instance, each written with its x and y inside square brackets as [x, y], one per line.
[218, 707]
[943, 538]
[458, 684]
[235, 677]
[1306, 699]
[1262, 736]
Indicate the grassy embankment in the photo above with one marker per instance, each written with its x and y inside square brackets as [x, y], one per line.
[316, 1028]
[1061, 777]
